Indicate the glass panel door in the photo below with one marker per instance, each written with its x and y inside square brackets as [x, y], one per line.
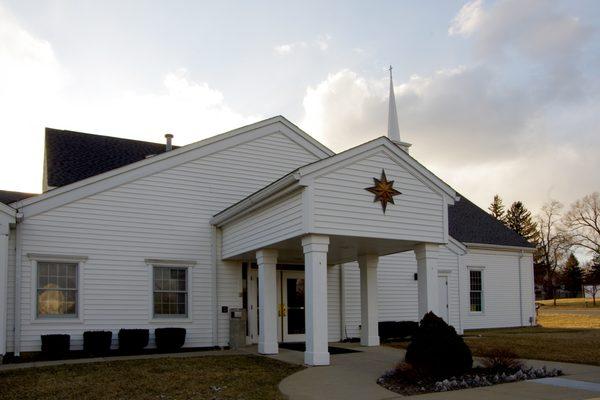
[293, 302]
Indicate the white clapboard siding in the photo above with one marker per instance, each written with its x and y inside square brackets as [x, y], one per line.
[397, 290]
[10, 300]
[501, 298]
[280, 220]
[161, 216]
[333, 302]
[342, 206]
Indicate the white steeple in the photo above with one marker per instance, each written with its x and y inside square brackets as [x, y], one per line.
[393, 132]
[393, 129]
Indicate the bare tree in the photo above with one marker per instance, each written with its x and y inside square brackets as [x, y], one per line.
[582, 222]
[552, 245]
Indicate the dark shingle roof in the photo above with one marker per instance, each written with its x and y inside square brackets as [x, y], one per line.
[73, 156]
[8, 197]
[468, 223]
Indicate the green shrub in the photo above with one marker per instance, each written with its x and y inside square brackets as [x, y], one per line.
[169, 339]
[56, 346]
[437, 350]
[133, 340]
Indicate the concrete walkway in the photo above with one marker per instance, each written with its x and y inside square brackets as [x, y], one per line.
[354, 376]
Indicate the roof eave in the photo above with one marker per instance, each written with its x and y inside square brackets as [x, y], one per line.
[488, 246]
[267, 194]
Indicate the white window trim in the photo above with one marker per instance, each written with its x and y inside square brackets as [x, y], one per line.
[72, 259]
[482, 270]
[188, 264]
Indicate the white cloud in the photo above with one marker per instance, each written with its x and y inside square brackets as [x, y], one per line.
[34, 93]
[288, 48]
[468, 20]
[321, 43]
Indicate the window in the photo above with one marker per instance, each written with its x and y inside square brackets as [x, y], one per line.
[170, 291]
[57, 286]
[476, 292]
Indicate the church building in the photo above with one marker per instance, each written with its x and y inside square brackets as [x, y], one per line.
[317, 247]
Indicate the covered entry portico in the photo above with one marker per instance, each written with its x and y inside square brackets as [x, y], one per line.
[325, 214]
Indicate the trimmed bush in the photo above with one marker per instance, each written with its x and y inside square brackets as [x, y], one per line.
[437, 350]
[390, 330]
[169, 339]
[56, 346]
[133, 340]
[97, 343]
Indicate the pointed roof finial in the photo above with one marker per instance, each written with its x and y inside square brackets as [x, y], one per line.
[393, 128]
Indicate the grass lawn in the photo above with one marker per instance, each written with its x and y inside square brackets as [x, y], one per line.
[569, 332]
[571, 303]
[210, 377]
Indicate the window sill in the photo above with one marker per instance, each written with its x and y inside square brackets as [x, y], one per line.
[57, 320]
[174, 320]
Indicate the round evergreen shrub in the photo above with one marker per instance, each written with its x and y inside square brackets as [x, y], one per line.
[133, 340]
[97, 343]
[169, 339]
[437, 350]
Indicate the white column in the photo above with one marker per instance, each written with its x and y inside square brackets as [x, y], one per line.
[427, 260]
[315, 275]
[267, 294]
[4, 232]
[369, 331]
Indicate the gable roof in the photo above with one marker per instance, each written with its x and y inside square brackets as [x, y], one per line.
[470, 224]
[7, 196]
[72, 156]
[300, 176]
[114, 177]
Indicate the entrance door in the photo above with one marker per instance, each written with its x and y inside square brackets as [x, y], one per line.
[292, 309]
[290, 306]
[443, 296]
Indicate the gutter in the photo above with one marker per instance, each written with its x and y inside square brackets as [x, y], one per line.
[499, 247]
[274, 191]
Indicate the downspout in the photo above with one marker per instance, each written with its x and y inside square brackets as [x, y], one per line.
[460, 294]
[343, 335]
[214, 297]
[18, 283]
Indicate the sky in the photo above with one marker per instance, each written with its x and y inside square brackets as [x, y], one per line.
[496, 97]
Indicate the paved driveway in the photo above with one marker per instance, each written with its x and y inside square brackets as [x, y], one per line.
[354, 376]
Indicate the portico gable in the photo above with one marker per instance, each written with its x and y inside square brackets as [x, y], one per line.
[330, 197]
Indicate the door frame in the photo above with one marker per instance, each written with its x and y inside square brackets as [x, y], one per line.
[445, 274]
[253, 309]
[283, 319]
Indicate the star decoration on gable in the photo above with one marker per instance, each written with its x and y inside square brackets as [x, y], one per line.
[383, 190]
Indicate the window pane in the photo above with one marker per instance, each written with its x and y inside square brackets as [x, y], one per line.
[475, 301]
[170, 291]
[57, 289]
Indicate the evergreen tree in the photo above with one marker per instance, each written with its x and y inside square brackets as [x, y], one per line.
[497, 208]
[518, 218]
[572, 276]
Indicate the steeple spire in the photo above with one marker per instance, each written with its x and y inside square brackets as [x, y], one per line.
[393, 132]
[393, 129]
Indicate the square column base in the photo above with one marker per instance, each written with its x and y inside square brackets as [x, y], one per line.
[268, 348]
[369, 341]
[312, 358]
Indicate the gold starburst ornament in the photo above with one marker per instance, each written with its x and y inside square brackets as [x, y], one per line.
[383, 190]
